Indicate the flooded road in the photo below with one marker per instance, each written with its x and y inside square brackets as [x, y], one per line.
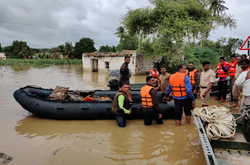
[31, 140]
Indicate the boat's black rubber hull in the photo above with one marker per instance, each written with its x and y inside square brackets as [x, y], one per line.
[79, 110]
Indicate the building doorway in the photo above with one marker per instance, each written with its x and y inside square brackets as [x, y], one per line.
[95, 65]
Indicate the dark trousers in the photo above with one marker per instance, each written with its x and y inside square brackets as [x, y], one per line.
[179, 105]
[149, 116]
[222, 89]
[121, 121]
[231, 83]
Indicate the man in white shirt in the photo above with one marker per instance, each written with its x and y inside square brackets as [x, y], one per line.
[244, 81]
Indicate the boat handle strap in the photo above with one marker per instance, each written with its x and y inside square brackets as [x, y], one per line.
[85, 108]
[60, 108]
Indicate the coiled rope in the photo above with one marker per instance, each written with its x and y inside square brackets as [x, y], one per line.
[218, 122]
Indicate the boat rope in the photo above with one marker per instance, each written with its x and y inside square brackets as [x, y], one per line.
[22, 95]
[218, 122]
[47, 93]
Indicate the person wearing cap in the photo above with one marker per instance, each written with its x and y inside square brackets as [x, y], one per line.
[222, 72]
[206, 83]
[181, 87]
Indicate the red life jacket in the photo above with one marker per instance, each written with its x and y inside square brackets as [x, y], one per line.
[232, 68]
[220, 71]
[155, 74]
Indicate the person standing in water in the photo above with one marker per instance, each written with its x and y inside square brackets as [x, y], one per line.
[150, 105]
[181, 87]
[121, 105]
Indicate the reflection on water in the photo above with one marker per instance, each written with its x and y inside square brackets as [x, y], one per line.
[31, 140]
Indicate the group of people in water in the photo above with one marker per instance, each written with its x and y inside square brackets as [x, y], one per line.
[184, 86]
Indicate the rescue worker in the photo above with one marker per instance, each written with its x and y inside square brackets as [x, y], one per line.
[181, 86]
[124, 75]
[163, 81]
[236, 91]
[121, 105]
[244, 81]
[194, 77]
[232, 70]
[206, 83]
[155, 74]
[150, 105]
[222, 72]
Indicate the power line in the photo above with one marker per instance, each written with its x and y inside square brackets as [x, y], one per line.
[24, 24]
[80, 7]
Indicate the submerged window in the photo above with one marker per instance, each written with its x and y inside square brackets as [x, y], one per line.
[106, 65]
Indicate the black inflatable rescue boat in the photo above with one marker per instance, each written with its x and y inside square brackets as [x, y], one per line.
[35, 100]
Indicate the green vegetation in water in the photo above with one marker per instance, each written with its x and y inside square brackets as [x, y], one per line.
[39, 62]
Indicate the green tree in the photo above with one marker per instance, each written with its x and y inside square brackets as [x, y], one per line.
[167, 27]
[120, 33]
[1, 47]
[17, 49]
[107, 48]
[219, 17]
[229, 46]
[84, 45]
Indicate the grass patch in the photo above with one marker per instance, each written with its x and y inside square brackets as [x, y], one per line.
[39, 62]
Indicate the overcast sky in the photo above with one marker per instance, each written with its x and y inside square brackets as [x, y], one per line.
[25, 20]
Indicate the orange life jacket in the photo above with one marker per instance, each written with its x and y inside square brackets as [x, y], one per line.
[177, 82]
[232, 68]
[191, 76]
[220, 71]
[146, 98]
[155, 74]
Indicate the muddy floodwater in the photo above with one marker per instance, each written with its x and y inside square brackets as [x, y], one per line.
[34, 141]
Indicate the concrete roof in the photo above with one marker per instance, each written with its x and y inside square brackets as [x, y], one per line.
[110, 54]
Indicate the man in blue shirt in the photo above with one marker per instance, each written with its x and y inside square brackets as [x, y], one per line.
[181, 87]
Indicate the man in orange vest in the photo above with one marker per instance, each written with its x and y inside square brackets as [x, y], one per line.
[194, 77]
[232, 71]
[222, 72]
[181, 87]
[150, 105]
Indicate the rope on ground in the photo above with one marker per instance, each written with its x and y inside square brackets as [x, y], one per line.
[218, 122]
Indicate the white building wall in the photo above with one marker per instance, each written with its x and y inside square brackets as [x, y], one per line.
[114, 63]
[2, 56]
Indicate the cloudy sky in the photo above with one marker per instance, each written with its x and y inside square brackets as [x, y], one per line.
[48, 23]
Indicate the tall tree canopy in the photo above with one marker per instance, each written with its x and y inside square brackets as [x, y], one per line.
[18, 49]
[168, 26]
[84, 45]
[127, 41]
[107, 48]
